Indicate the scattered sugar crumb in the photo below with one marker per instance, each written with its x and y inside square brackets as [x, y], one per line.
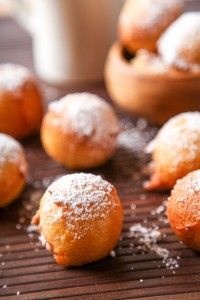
[160, 213]
[133, 206]
[160, 209]
[42, 240]
[18, 226]
[32, 228]
[146, 239]
[29, 206]
[130, 138]
[144, 235]
[113, 253]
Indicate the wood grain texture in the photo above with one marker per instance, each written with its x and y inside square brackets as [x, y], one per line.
[26, 267]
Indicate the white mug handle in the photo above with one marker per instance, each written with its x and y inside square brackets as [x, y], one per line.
[22, 12]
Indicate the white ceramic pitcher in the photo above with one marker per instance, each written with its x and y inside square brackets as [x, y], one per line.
[70, 37]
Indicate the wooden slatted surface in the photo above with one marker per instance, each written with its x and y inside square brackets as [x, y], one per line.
[28, 271]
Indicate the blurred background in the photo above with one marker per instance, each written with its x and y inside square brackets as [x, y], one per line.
[70, 39]
[64, 34]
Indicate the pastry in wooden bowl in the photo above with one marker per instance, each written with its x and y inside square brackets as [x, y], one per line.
[80, 131]
[179, 46]
[148, 87]
[175, 151]
[80, 219]
[13, 169]
[183, 209]
[21, 106]
[142, 22]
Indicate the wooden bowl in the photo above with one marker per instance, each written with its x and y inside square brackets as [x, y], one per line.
[154, 97]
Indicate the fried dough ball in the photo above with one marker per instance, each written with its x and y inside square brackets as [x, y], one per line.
[179, 46]
[13, 169]
[20, 101]
[142, 22]
[80, 131]
[80, 218]
[175, 151]
[183, 209]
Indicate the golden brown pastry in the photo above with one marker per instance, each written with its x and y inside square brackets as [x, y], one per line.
[175, 151]
[13, 169]
[142, 22]
[183, 209]
[80, 131]
[20, 101]
[179, 46]
[80, 218]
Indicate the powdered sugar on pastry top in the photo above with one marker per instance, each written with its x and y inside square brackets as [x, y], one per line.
[191, 183]
[180, 134]
[80, 197]
[149, 63]
[86, 194]
[13, 76]
[11, 152]
[155, 11]
[181, 41]
[86, 114]
[186, 198]
[185, 121]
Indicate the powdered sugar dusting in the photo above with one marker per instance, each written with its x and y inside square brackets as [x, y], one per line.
[147, 238]
[131, 139]
[83, 197]
[13, 76]
[88, 115]
[195, 185]
[156, 10]
[134, 138]
[147, 62]
[190, 184]
[184, 202]
[11, 151]
[182, 36]
[182, 134]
